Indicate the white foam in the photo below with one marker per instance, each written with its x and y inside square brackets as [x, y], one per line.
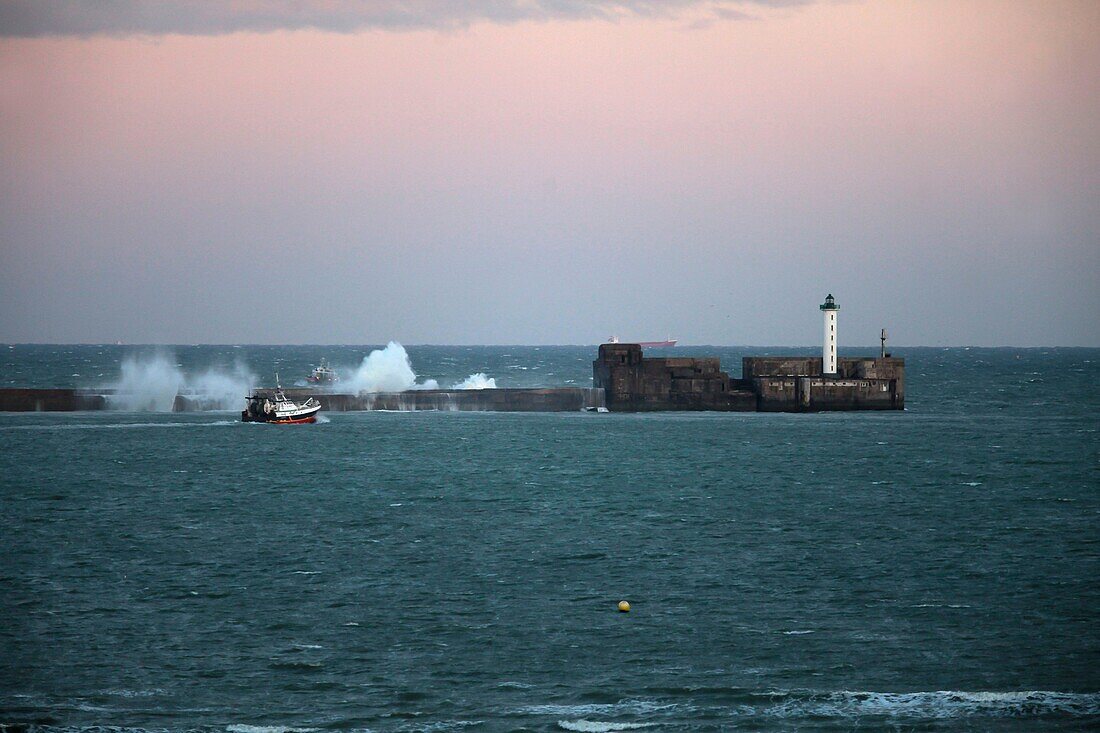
[596, 726]
[936, 705]
[135, 693]
[624, 707]
[480, 380]
[268, 729]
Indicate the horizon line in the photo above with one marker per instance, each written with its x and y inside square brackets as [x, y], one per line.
[11, 344]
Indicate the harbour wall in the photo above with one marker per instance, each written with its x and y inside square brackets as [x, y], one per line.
[564, 399]
[49, 400]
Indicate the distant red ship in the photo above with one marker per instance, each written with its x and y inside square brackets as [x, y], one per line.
[646, 344]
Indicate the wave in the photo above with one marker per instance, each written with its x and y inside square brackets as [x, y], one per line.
[241, 728]
[625, 707]
[595, 726]
[937, 705]
[845, 707]
[134, 693]
[121, 425]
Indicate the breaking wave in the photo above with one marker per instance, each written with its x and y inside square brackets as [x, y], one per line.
[386, 370]
[390, 370]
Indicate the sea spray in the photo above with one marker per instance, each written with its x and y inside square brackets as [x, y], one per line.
[150, 384]
[216, 389]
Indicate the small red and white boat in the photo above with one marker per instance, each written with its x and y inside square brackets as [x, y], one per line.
[279, 409]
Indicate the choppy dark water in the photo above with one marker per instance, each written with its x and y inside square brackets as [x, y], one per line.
[933, 569]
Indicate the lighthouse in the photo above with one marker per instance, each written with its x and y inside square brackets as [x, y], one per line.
[828, 348]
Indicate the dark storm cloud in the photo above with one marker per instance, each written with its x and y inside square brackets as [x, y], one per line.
[29, 18]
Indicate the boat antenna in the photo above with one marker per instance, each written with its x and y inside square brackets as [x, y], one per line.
[883, 339]
[277, 385]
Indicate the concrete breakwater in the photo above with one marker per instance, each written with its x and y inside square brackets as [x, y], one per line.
[559, 399]
[565, 399]
[50, 400]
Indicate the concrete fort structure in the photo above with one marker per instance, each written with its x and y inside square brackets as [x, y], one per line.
[634, 383]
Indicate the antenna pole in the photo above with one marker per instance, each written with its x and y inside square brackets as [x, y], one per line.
[883, 339]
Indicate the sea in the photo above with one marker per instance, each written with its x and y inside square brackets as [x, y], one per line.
[932, 569]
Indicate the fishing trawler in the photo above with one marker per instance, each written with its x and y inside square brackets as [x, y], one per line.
[279, 409]
[323, 374]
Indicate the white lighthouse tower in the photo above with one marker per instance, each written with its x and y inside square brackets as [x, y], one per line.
[828, 349]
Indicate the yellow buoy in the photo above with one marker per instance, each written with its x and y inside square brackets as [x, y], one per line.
[624, 606]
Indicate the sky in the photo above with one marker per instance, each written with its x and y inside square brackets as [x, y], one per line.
[549, 171]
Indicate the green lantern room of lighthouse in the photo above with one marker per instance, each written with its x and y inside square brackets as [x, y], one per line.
[829, 304]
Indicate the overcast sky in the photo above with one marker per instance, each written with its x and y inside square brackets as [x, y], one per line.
[549, 171]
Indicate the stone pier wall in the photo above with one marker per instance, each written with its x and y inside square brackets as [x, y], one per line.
[565, 399]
